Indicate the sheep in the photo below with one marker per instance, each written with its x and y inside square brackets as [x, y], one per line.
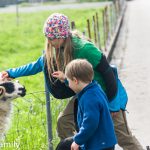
[9, 91]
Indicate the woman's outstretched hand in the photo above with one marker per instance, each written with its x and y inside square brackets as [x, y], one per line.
[5, 76]
[59, 74]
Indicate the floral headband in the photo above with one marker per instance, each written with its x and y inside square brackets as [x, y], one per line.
[56, 26]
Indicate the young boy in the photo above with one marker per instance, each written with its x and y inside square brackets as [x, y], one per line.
[96, 130]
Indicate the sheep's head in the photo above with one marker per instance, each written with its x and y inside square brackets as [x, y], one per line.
[10, 90]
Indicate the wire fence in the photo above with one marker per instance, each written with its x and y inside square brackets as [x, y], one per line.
[34, 122]
[28, 129]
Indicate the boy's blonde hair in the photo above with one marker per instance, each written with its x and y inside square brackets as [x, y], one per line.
[80, 69]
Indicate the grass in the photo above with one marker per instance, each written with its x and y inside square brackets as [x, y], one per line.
[20, 45]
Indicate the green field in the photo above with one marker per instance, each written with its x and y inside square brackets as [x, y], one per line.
[21, 44]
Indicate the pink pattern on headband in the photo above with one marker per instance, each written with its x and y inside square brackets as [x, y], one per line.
[56, 26]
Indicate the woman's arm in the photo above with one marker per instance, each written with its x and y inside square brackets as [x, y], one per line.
[108, 76]
[25, 70]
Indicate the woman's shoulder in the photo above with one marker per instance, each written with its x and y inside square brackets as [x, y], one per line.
[84, 44]
[81, 46]
[79, 43]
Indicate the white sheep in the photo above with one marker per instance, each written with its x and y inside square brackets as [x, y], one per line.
[8, 91]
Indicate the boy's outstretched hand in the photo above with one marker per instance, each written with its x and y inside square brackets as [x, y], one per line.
[59, 74]
[74, 146]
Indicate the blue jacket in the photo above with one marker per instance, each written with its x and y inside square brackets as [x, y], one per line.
[119, 102]
[58, 89]
[121, 98]
[96, 131]
[27, 70]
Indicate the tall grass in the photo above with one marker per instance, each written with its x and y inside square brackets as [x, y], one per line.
[20, 45]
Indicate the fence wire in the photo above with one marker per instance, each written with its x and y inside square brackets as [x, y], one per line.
[28, 129]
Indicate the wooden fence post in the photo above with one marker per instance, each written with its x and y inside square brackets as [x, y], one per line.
[88, 26]
[98, 32]
[72, 25]
[94, 26]
[104, 29]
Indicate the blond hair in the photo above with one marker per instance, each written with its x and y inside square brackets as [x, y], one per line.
[57, 59]
[81, 69]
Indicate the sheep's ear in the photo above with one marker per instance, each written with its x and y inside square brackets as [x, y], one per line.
[2, 91]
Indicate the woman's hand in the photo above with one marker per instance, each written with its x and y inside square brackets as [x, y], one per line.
[5, 76]
[74, 146]
[59, 74]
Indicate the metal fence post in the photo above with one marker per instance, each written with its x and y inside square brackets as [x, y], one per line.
[49, 119]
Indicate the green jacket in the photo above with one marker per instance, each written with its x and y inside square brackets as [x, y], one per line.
[86, 50]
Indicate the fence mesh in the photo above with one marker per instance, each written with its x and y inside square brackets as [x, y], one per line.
[28, 129]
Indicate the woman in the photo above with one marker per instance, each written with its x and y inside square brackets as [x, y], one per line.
[62, 46]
